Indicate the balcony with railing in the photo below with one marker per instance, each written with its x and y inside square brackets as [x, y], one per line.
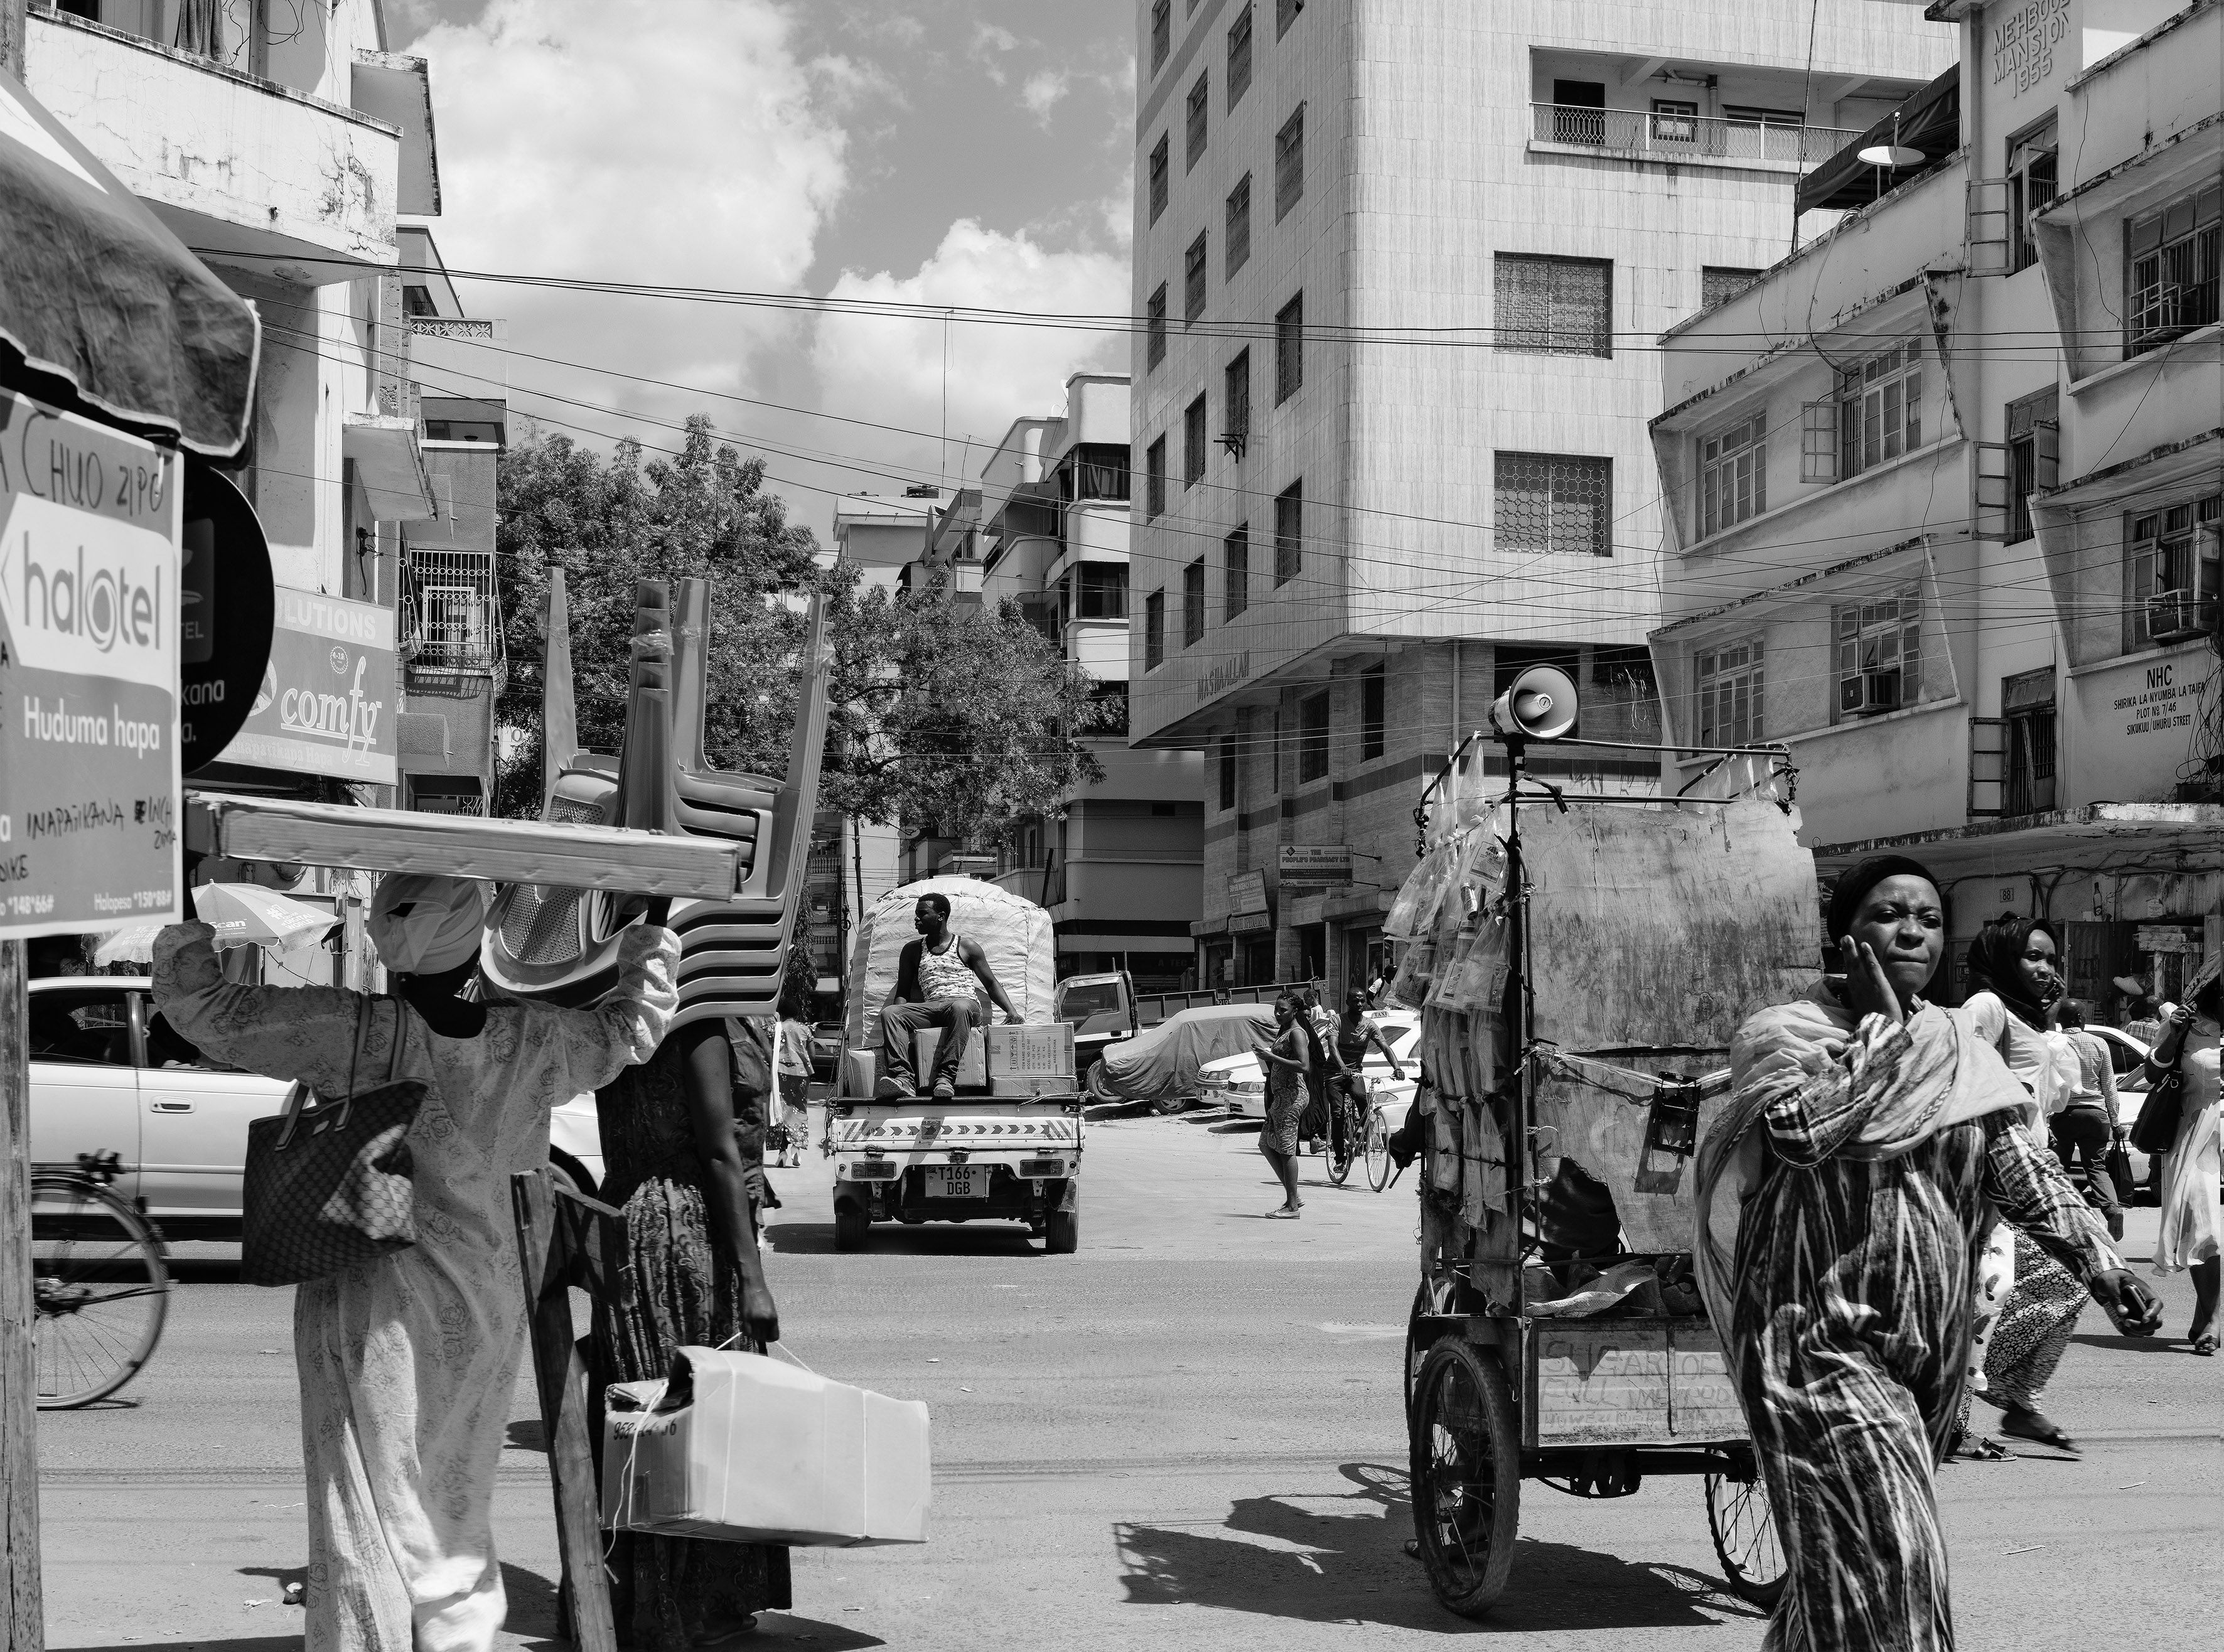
[1753, 142]
[450, 612]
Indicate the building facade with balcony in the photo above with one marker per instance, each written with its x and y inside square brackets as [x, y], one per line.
[1401, 264]
[1945, 491]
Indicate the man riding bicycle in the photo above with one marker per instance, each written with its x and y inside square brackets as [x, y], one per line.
[1355, 1033]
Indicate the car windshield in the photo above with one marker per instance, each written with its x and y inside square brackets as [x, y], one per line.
[1092, 997]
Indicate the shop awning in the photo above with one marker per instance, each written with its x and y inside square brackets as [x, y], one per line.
[96, 292]
[1929, 121]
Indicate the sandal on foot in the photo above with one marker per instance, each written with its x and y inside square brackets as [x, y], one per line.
[1980, 1448]
[1280, 1215]
[2205, 1345]
[2033, 1426]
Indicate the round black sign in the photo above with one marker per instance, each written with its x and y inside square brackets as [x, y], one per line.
[227, 606]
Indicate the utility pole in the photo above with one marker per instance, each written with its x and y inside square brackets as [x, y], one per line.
[22, 1608]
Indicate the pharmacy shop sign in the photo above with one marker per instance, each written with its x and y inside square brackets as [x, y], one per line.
[327, 705]
[89, 523]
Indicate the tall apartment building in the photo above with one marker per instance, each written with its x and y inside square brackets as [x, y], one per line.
[1948, 489]
[1402, 264]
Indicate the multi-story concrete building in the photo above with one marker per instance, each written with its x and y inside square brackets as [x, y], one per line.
[1402, 264]
[1945, 489]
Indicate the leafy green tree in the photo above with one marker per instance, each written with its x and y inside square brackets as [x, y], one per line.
[943, 711]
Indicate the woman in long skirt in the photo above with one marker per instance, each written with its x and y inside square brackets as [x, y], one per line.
[2188, 1237]
[677, 1132]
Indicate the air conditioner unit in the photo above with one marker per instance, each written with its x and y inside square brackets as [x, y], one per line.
[2179, 616]
[1879, 691]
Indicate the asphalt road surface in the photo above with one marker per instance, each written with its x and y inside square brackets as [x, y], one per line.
[1189, 1434]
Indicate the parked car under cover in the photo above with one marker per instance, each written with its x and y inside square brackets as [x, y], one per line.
[1164, 1064]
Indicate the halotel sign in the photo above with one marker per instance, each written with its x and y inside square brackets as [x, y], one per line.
[327, 702]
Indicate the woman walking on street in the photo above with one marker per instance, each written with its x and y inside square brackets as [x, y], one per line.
[2189, 1219]
[683, 1151]
[409, 1363]
[1868, 1141]
[790, 1106]
[1284, 1058]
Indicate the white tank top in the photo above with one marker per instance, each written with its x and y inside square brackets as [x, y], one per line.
[944, 974]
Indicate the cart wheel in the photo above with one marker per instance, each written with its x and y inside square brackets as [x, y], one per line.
[1431, 1296]
[1378, 1152]
[1744, 1530]
[851, 1224]
[1062, 1233]
[1466, 1458]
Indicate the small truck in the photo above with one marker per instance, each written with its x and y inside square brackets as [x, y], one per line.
[1008, 1147]
[1105, 1008]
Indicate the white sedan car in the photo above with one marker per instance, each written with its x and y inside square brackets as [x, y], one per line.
[108, 1074]
[1237, 1080]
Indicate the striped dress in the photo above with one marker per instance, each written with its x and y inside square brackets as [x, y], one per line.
[1850, 1324]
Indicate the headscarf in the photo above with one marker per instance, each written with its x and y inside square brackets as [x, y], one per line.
[423, 925]
[1856, 880]
[1994, 956]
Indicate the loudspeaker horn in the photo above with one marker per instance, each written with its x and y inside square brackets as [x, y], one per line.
[1540, 705]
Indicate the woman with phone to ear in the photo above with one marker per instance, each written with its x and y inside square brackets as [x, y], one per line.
[2188, 1237]
[1869, 1139]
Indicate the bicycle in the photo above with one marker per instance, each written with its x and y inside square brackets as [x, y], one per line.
[100, 1280]
[1381, 1169]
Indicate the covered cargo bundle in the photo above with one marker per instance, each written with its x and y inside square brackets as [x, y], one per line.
[1013, 931]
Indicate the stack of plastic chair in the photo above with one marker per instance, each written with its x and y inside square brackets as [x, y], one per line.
[561, 945]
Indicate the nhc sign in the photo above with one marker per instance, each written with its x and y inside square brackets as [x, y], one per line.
[89, 521]
[326, 704]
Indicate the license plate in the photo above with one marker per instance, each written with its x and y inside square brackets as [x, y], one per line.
[957, 1181]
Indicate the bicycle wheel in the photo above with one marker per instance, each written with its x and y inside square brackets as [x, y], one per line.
[101, 1288]
[1341, 1147]
[1378, 1151]
[1466, 1475]
[1744, 1530]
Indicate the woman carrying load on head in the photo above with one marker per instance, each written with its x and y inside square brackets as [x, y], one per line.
[408, 1362]
[1869, 1140]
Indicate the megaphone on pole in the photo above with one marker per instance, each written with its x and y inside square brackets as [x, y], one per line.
[1540, 705]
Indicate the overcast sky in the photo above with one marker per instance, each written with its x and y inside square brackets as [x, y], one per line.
[940, 151]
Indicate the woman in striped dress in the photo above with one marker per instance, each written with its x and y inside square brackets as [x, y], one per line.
[1869, 1140]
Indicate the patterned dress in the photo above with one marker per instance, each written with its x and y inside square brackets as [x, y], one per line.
[675, 1286]
[1288, 1094]
[1849, 1321]
[408, 1364]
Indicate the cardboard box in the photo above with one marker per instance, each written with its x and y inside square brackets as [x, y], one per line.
[860, 1071]
[972, 1073]
[1035, 1050]
[756, 1451]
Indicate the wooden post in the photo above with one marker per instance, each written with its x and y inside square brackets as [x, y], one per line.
[551, 1230]
[22, 1613]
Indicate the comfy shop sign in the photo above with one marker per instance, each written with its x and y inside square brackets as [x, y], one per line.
[327, 705]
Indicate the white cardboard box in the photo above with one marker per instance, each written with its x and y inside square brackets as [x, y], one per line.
[1035, 1059]
[761, 1452]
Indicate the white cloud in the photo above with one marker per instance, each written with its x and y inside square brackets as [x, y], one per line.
[673, 141]
[891, 369]
[1042, 91]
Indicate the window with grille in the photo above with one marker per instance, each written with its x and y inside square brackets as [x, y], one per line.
[1227, 771]
[1719, 281]
[1235, 572]
[1286, 13]
[1194, 442]
[1733, 475]
[1154, 630]
[1727, 685]
[1239, 56]
[1554, 307]
[1159, 177]
[2034, 426]
[1312, 738]
[1289, 164]
[1200, 100]
[1374, 701]
[1193, 603]
[1289, 532]
[2027, 708]
[1154, 477]
[1239, 224]
[2169, 280]
[1554, 501]
[1235, 394]
[1162, 33]
[2031, 175]
[1154, 327]
[1879, 653]
[2162, 553]
[1193, 279]
[1880, 408]
[451, 607]
[1289, 350]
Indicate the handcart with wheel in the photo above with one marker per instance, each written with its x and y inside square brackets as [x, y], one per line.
[1581, 968]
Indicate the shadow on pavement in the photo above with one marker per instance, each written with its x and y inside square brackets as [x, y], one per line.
[2163, 1344]
[244, 1643]
[894, 1239]
[1286, 1557]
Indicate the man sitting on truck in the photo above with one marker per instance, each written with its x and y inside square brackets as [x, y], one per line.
[935, 980]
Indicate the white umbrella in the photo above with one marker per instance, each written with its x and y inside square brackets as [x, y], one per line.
[245, 914]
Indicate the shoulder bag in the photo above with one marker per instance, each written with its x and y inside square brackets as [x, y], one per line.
[329, 1186]
[2155, 1131]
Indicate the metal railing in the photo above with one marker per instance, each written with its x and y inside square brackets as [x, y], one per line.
[1656, 135]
